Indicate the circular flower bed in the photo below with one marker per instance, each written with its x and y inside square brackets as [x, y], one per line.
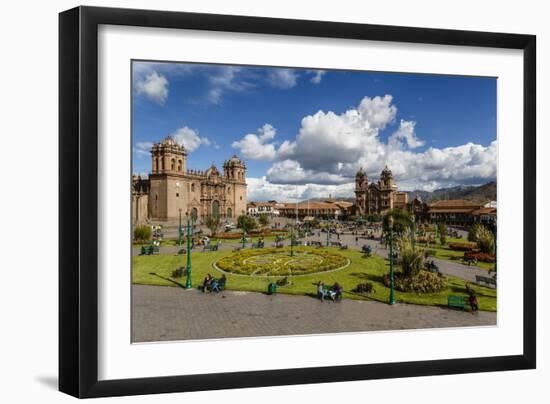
[278, 262]
[423, 282]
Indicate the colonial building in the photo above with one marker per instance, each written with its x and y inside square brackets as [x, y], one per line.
[328, 209]
[268, 208]
[172, 188]
[377, 197]
[462, 212]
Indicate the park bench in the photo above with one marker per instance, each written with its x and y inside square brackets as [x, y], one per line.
[486, 281]
[328, 293]
[458, 302]
[431, 267]
[344, 247]
[216, 285]
[470, 260]
[210, 247]
[259, 244]
[335, 243]
[220, 284]
[149, 250]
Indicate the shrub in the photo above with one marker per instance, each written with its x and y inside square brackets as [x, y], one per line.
[364, 288]
[422, 282]
[480, 256]
[412, 260]
[142, 233]
[442, 229]
[466, 246]
[483, 237]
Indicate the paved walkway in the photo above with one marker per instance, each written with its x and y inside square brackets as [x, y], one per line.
[162, 313]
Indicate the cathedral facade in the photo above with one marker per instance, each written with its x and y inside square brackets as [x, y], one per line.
[377, 197]
[172, 188]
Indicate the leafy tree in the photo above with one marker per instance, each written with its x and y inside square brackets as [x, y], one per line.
[264, 220]
[402, 221]
[314, 223]
[142, 233]
[246, 223]
[374, 217]
[212, 222]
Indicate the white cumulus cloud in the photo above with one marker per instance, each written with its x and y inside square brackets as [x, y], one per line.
[317, 76]
[261, 189]
[330, 147]
[189, 138]
[154, 86]
[143, 149]
[406, 134]
[283, 79]
[255, 145]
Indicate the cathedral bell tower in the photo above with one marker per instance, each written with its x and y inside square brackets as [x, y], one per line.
[168, 193]
[168, 157]
[361, 191]
[234, 173]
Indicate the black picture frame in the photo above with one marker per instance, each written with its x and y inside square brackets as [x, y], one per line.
[78, 201]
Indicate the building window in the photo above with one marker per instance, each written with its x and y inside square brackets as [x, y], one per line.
[241, 198]
[177, 195]
[173, 165]
[192, 187]
[179, 166]
[162, 163]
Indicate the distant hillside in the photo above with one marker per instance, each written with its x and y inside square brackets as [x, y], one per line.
[482, 192]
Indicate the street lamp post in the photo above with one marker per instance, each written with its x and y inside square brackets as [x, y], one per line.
[390, 235]
[292, 242]
[328, 235]
[180, 231]
[188, 280]
[243, 240]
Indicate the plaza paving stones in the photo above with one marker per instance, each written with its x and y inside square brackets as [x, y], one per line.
[162, 313]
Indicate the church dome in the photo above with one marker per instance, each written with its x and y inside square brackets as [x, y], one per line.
[169, 141]
[233, 161]
[360, 173]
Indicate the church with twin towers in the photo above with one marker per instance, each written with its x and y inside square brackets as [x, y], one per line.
[172, 188]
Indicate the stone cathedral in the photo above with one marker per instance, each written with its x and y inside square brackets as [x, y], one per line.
[172, 188]
[377, 197]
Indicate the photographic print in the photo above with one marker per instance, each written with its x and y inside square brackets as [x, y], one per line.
[271, 201]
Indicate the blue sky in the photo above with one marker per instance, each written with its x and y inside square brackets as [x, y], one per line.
[305, 132]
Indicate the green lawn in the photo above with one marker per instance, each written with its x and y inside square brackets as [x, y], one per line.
[157, 269]
[445, 253]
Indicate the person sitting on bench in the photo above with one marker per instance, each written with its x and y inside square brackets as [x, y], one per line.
[321, 291]
[337, 289]
[206, 283]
